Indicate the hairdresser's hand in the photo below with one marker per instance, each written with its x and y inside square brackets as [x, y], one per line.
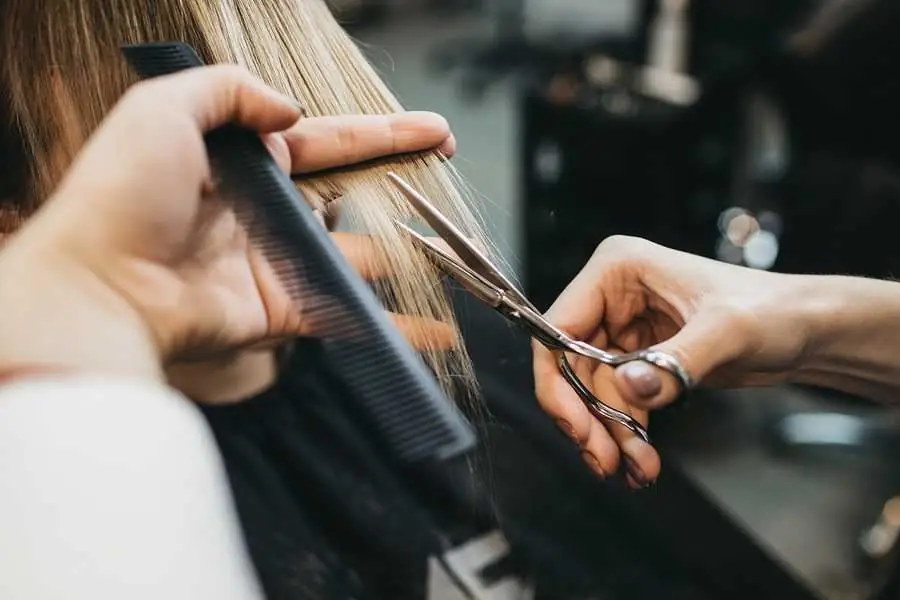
[728, 325]
[134, 222]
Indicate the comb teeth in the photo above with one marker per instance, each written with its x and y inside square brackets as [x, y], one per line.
[165, 58]
[390, 384]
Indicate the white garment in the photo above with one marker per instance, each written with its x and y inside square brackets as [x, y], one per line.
[113, 489]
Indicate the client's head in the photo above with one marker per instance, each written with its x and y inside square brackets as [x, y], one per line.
[61, 71]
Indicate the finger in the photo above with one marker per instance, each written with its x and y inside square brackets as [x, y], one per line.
[608, 290]
[218, 95]
[579, 310]
[559, 400]
[364, 253]
[699, 347]
[636, 336]
[426, 334]
[368, 256]
[641, 461]
[448, 147]
[422, 334]
[278, 148]
[329, 142]
[607, 441]
[600, 450]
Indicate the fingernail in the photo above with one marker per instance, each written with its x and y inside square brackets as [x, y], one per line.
[568, 430]
[636, 474]
[301, 107]
[632, 484]
[447, 149]
[638, 486]
[643, 378]
[594, 464]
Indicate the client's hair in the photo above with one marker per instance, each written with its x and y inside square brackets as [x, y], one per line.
[61, 71]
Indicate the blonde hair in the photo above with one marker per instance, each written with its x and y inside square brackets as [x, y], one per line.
[55, 48]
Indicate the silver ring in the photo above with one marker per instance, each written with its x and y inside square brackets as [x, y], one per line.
[666, 362]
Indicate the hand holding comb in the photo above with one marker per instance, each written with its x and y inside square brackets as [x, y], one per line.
[389, 383]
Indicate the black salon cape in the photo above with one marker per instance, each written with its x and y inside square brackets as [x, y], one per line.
[327, 514]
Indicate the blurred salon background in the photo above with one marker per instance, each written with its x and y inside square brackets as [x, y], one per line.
[758, 132]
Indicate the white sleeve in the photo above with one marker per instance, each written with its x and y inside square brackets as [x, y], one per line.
[111, 490]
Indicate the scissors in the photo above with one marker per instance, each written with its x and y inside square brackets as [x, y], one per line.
[485, 281]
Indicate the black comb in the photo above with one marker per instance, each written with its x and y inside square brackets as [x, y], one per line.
[390, 383]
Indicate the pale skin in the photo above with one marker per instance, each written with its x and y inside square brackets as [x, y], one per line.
[166, 285]
[149, 281]
[307, 146]
[122, 274]
[729, 326]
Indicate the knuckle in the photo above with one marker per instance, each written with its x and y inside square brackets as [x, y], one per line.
[229, 72]
[621, 245]
[348, 142]
[142, 94]
[620, 251]
[630, 253]
[233, 81]
[142, 106]
[299, 148]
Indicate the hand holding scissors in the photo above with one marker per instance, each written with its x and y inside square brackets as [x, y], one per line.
[478, 275]
[641, 323]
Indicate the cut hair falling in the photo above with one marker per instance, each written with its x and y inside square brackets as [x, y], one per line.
[62, 71]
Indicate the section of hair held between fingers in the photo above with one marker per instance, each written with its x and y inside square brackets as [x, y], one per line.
[284, 44]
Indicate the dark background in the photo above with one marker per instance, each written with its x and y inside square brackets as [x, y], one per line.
[797, 122]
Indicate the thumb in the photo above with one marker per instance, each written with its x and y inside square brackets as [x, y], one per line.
[222, 94]
[705, 343]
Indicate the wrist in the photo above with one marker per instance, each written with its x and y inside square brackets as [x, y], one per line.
[55, 314]
[853, 325]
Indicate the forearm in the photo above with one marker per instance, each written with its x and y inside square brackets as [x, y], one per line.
[854, 342]
[53, 315]
[112, 485]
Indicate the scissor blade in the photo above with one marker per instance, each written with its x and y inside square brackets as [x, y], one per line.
[466, 277]
[459, 243]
